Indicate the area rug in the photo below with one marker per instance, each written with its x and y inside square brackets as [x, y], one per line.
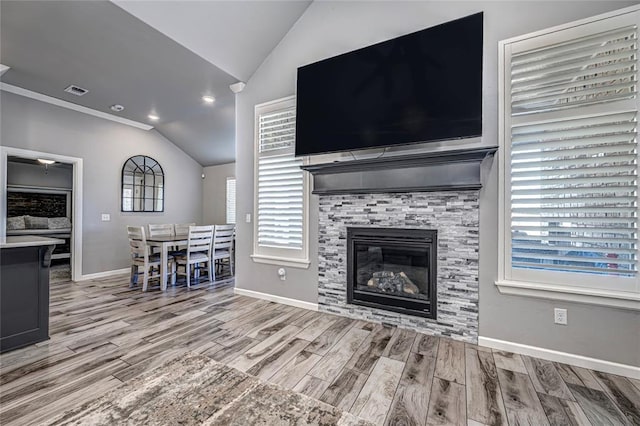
[195, 390]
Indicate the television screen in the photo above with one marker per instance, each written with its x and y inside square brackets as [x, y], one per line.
[421, 87]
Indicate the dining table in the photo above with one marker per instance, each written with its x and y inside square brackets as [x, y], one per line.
[165, 243]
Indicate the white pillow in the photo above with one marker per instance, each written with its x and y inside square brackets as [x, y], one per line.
[14, 223]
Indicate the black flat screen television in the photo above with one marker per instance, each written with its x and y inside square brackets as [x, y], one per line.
[421, 87]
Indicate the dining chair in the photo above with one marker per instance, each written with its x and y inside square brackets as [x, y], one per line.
[198, 251]
[161, 230]
[142, 258]
[182, 228]
[223, 245]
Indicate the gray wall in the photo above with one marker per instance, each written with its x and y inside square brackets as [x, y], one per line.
[214, 195]
[54, 176]
[330, 28]
[104, 146]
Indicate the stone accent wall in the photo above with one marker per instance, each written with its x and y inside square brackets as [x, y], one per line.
[36, 204]
[454, 214]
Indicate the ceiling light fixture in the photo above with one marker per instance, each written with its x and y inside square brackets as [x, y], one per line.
[208, 99]
[116, 108]
[237, 87]
[153, 117]
[45, 161]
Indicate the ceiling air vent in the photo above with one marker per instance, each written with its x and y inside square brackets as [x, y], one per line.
[76, 90]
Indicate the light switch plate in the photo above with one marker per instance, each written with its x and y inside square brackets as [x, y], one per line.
[560, 316]
[106, 217]
[247, 218]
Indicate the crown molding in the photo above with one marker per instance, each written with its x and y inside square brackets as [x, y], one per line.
[69, 105]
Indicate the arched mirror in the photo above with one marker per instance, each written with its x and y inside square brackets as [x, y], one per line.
[142, 185]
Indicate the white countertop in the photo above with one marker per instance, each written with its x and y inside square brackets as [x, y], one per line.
[29, 241]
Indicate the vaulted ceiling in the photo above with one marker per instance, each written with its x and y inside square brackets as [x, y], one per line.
[152, 57]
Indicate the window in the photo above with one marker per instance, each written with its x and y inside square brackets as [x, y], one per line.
[569, 163]
[231, 200]
[280, 225]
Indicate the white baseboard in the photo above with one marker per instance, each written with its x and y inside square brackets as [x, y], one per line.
[564, 357]
[104, 274]
[277, 299]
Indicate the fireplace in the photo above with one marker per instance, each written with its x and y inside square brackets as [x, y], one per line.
[393, 269]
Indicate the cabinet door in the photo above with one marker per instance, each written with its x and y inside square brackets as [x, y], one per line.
[24, 296]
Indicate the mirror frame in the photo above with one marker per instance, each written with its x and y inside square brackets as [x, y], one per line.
[147, 165]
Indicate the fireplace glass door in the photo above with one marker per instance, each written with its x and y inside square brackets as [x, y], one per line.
[393, 269]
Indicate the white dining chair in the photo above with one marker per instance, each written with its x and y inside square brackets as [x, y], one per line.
[198, 251]
[141, 258]
[182, 228]
[223, 245]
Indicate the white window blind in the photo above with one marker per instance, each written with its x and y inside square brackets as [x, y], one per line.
[231, 200]
[573, 195]
[280, 185]
[571, 156]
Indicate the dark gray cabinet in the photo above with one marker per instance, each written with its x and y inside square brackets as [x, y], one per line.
[24, 296]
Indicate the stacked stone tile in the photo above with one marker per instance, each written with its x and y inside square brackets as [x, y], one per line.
[454, 214]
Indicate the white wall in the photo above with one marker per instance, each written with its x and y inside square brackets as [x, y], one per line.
[214, 193]
[330, 28]
[104, 146]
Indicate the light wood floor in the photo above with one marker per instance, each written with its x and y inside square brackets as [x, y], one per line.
[103, 333]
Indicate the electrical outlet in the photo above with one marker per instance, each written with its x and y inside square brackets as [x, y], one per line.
[282, 273]
[560, 316]
[106, 217]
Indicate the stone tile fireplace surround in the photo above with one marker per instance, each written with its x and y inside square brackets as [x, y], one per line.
[453, 213]
[434, 191]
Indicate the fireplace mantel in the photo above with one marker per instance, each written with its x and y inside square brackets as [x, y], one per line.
[426, 172]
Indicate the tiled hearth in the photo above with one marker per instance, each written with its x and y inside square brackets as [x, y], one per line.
[454, 214]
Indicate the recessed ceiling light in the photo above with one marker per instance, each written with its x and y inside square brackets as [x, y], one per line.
[208, 99]
[45, 161]
[116, 108]
[153, 117]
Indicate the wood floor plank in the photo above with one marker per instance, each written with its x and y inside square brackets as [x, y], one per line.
[578, 376]
[364, 359]
[262, 350]
[377, 394]
[262, 326]
[315, 328]
[597, 406]
[332, 363]
[42, 395]
[268, 366]
[509, 361]
[293, 371]
[484, 397]
[410, 403]
[426, 345]
[450, 361]
[231, 352]
[129, 372]
[39, 412]
[546, 378]
[447, 405]
[563, 412]
[520, 399]
[311, 386]
[321, 344]
[400, 344]
[623, 393]
[344, 390]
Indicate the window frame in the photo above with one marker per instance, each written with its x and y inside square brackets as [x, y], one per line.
[226, 200]
[296, 258]
[535, 285]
